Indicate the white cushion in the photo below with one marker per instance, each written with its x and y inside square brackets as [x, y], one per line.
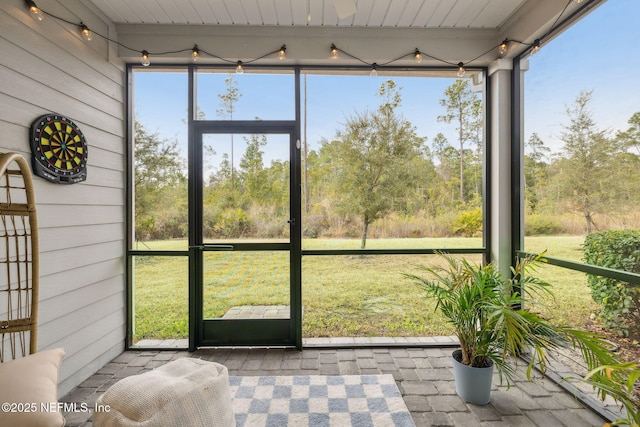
[29, 385]
[184, 392]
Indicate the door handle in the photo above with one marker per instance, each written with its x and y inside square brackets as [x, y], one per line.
[214, 247]
[292, 221]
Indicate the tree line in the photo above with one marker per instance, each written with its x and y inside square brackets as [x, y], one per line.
[594, 176]
[377, 177]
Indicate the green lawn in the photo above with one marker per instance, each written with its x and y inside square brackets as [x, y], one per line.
[572, 303]
[342, 295]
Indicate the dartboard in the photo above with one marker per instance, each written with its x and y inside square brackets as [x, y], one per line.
[59, 149]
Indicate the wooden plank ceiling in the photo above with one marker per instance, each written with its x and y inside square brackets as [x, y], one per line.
[481, 14]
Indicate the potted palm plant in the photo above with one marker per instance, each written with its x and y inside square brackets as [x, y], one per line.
[621, 381]
[495, 327]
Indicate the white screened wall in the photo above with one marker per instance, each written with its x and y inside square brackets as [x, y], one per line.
[46, 67]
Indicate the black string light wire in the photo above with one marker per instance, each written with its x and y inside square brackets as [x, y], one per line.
[196, 52]
[418, 55]
[536, 45]
[145, 56]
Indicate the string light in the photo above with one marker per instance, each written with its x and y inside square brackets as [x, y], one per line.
[536, 42]
[144, 59]
[334, 51]
[502, 49]
[536, 46]
[36, 12]
[374, 70]
[195, 53]
[86, 32]
[417, 56]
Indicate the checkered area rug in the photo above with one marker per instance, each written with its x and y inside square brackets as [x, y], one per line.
[317, 400]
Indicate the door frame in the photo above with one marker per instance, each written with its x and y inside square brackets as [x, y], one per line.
[278, 332]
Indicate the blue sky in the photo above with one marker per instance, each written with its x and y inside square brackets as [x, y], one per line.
[600, 53]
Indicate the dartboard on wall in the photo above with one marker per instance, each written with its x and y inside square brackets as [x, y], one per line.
[59, 149]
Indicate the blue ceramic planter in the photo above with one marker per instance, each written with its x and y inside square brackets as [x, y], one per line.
[473, 385]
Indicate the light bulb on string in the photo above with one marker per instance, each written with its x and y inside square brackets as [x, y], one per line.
[374, 70]
[461, 70]
[36, 12]
[195, 53]
[86, 32]
[502, 49]
[144, 59]
[417, 56]
[334, 51]
[536, 46]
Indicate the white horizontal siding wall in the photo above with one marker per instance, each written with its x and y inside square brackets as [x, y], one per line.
[46, 67]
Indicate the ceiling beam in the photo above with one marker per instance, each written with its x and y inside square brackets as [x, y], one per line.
[310, 45]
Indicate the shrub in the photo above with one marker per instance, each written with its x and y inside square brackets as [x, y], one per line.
[537, 225]
[468, 223]
[620, 301]
[233, 222]
[145, 227]
[314, 225]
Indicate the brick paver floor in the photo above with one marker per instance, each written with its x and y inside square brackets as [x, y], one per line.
[423, 375]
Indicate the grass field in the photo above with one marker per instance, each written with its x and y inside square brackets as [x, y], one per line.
[573, 303]
[342, 295]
